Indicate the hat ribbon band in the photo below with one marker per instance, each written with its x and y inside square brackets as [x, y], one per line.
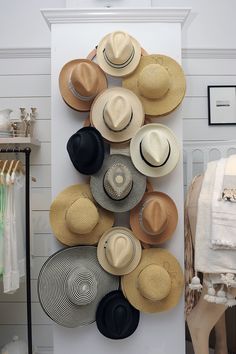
[120, 130]
[148, 163]
[119, 66]
[77, 95]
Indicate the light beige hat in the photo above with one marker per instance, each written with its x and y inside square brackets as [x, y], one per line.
[159, 82]
[76, 219]
[119, 251]
[154, 150]
[118, 54]
[156, 284]
[117, 113]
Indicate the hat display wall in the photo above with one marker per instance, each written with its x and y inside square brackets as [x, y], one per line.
[156, 284]
[154, 219]
[75, 218]
[116, 318]
[117, 113]
[159, 82]
[71, 283]
[155, 150]
[118, 186]
[119, 251]
[86, 150]
[118, 54]
[80, 80]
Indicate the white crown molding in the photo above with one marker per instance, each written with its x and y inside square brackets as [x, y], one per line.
[11, 53]
[106, 15]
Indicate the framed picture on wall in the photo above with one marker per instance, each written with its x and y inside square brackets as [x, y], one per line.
[221, 105]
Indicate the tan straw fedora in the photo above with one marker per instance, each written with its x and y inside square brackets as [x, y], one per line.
[159, 82]
[117, 113]
[80, 80]
[154, 219]
[156, 284]
[76, 219]
[119, 251]
[118, 54]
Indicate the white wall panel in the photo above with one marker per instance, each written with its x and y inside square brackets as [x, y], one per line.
[22, 86]
[26, 66]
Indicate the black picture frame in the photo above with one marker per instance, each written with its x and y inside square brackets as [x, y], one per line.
[211, 90]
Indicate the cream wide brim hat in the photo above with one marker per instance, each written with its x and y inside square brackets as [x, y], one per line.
[57, 216]
[101, 251]
[140, 163]
[162, 258]
[97, 109]
[171, 100]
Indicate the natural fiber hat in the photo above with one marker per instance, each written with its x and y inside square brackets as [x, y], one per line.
[116, 318]
[154, 219]
[117, 113]
[71, 283]
[86, 150]
[159, 82]
[80, 81]
[118, 186]
[76, 219]
[156, 284]
[118, 54]
[155, 150]
[119, 251]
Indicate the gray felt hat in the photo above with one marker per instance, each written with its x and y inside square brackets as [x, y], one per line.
[71, 283]
[118, 186]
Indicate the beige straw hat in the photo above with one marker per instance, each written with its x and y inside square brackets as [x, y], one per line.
[156, 284]
[119, 251]
[76, 219]
[154, 219]
[159, 82]
[118, 54]
[117, 113]
[80, 81]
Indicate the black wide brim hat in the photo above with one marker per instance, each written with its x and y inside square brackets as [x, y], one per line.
[86, 150]
[116, 318]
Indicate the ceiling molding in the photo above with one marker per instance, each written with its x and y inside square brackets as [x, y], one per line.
[11, 53]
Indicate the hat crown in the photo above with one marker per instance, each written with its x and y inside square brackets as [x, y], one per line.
[118, 181]
[119, 250]
[154, 217]
[117, 112]
[81, 286]
[118, 48]
[154, 283]
[155, 148]
[82, 216]
[153, 81]
[84, 79]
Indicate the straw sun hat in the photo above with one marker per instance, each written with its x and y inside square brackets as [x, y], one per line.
[71, 283]
[159, 82]
[76, 219]
[156, 284]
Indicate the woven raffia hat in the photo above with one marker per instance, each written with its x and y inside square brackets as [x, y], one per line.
[76, 219]
[71, 283]
[159, 82]
[80, 81]
[156, 284]
[119, 251]
[117, 113]
[118, 186]
[154, 219]
[118, 54]
[155, 150]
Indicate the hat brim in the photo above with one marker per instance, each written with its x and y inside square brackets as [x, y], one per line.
[67, 95]
[172, 219]
[140, 163]
[163, 258]
[175, 94]
[135, 195]
[57, 217]
[118, 72]
[101, 252]
[52, 291]
[97, 120]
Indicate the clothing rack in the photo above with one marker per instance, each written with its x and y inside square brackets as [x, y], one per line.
[27, 152]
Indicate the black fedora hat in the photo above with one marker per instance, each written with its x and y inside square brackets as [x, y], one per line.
[86, 150]
[116, 318]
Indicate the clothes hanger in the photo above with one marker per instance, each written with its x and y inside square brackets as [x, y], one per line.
[2, 179]
[8, 175]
